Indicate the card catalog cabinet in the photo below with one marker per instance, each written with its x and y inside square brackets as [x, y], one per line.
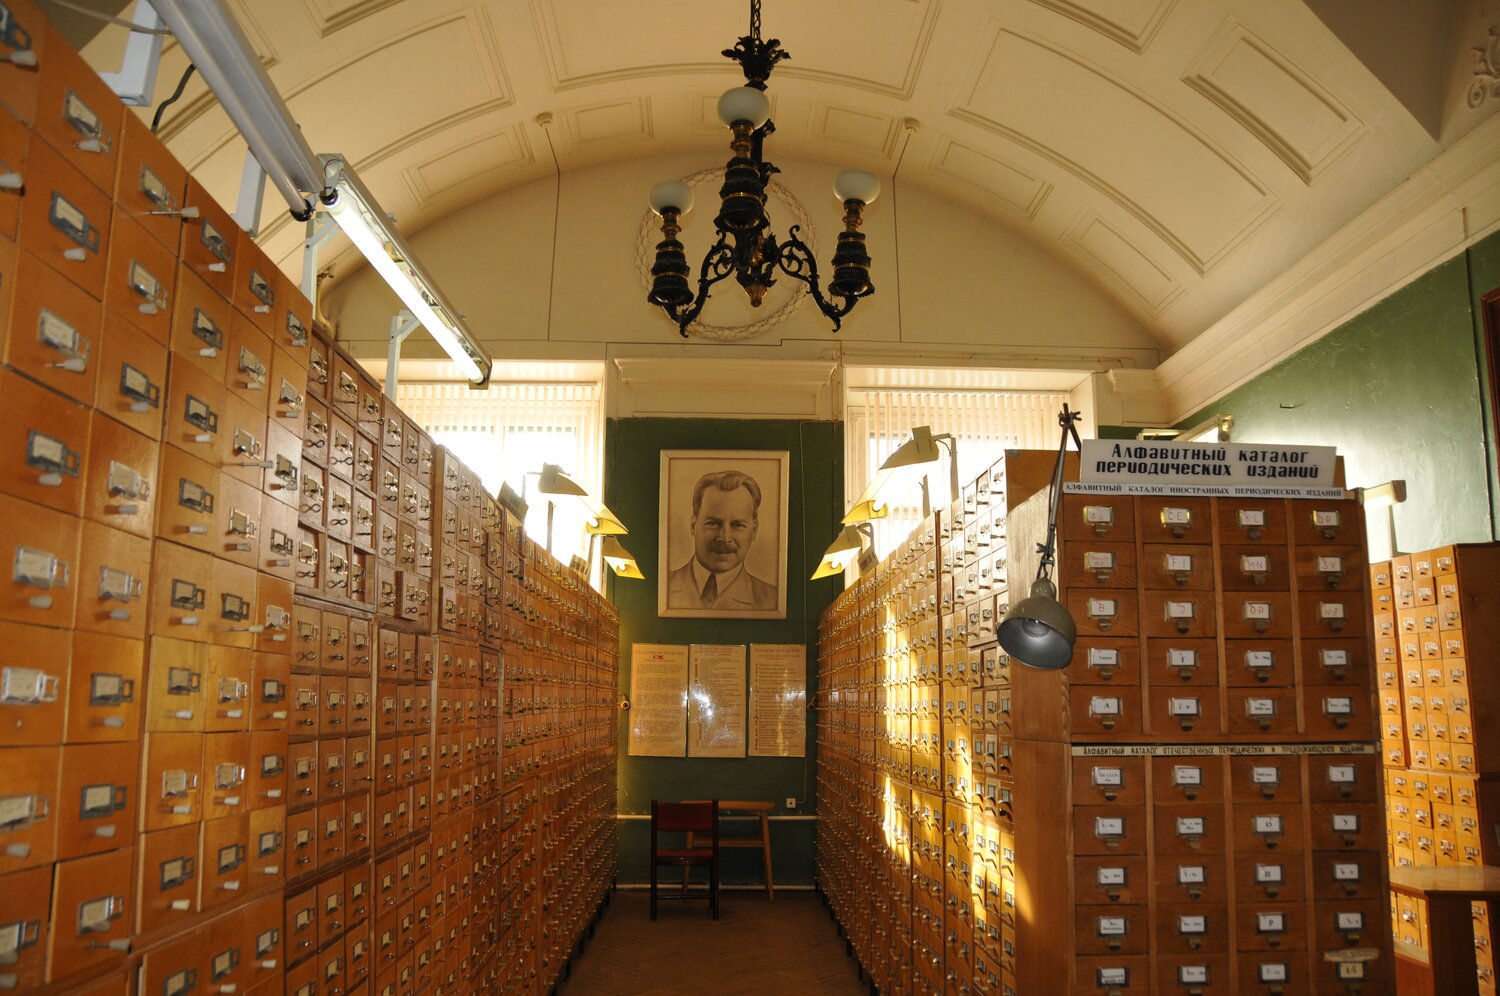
[219, 621]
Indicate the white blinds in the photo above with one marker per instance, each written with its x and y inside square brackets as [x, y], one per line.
[506, 430]
[985, 424]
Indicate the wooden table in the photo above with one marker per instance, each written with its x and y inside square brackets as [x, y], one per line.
[761, 840]
[1448, 893]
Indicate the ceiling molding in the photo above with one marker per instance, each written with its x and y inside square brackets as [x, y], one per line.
[1202, 252]
[1265, 93]
[1448, 205]
[429, 191]
[1135, 35]
[1150, 285]
[1004, 183]
[738, 388]
[328, 17]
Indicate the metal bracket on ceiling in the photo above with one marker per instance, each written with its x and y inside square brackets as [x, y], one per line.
[252, 194]
[320, 228]
[135, 83]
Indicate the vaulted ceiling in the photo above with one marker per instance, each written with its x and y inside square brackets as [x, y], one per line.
[1178, 153]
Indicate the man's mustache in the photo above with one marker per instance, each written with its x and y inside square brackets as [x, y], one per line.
[719, 546]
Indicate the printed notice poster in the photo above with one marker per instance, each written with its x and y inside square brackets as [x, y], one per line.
[778, 700]
[658, 699]
[716, 701]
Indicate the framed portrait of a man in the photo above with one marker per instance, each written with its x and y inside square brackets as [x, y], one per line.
[723, 548]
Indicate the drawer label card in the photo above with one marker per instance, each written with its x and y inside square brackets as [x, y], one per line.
[1346, 871]
[1104, 826]
[1186, 774]
[1260, 659]
[1346, 822]
[1190, 874]
[1330, 610]
[1326, 518]
[1112, 978]
[1173, 516]
[1107, 777]
[1341, 774]
[1334, 658]
[1330, 565]
[1179, 563]
[1268, 824]
[1187, 706]
[1192, 975]
[1265, 774]
[1109, 876]
[1257, 611]
[1270, 923]
[1192, 924]
[1190, 826]
[27, 686]
[266, 942]
[1269, 874]
[137, 385]
[1102, 657]
[175, 872]
[1182, 658]
[1112, 926]
[110, 690]
[1098, 561]
[1255, 564]
[1260, 707]
[67, 218]
[1102, 608]
[52, 455]
[1338, 705]
[18, 810]
[56, 334]
[1350, 921]
[155, 189]
[1271, 972]
[98, 801]
[1181, 610]
[214, 241]
[1101, 705]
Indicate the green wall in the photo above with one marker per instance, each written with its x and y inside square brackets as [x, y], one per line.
[632, 466]
[1398, 391]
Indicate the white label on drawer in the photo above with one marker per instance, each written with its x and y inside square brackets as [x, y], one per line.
[1252, 517]
[1330, 610]
[1109, 826]
[1257, 611]
[1338, 705]
[1330, 565]
[1346, 822]
[1346, 871]
[1098, 514]
[1260, 659]
[1192, 975]
[1270, 923]
[1189, 826]
[1269, 874]
[1182, 658]
[1109, 876]
[1351, 970]
[1101, 705]
[1111, 926]
[1334, 658]
[1194, 924]
[1098, 561]
[1341, 774]
[1255, 564]
[1110, 978]
[1176, 517]
[1326, 519]
[1179, 563]
[1271, 972]
[1182, 706]
[1102, 608]
[1260, 707]
[1351, 921]
[1181, 610]
[1190, 874]
[1187, 774]
[1100, 657]
[1105, 777]
[1265, 775]
[98, 798]
[1268, 824]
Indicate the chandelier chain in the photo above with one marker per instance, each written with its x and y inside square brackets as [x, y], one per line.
[755, 19]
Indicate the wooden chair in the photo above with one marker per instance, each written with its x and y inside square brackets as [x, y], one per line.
[762, 839]
[690, 818]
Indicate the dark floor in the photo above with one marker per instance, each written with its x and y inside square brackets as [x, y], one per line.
[789, 947]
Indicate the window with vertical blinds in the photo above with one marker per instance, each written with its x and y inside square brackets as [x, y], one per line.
[507, 430]
[984, 423]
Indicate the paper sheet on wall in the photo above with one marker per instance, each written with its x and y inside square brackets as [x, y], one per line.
[716, 701]
[658, 699]
[778, 700]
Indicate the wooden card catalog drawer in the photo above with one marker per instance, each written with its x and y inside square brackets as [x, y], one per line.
[42, 445]
[172, 786]
[65, 219]
[97, 799]
[92, 900]
[138, 285]
[55, 330]
[121, 483]
[105, 690]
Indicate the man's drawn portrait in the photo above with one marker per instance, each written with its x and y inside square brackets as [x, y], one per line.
[723, 534]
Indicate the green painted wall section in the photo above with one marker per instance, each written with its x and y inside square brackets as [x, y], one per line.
[1400, 391]
[632, 467]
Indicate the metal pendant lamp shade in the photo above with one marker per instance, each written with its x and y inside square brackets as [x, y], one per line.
[1039, 631]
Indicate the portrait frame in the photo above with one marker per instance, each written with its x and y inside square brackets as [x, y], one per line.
[766, 561]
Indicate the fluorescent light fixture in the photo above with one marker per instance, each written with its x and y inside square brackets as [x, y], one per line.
[211, 37]
[372, 233]
[619, 559]
[844, 548]
[1384, 495]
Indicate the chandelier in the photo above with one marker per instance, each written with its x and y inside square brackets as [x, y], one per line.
[746, 247]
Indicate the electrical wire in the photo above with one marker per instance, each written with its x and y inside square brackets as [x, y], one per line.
[99, 15]
[177, 93]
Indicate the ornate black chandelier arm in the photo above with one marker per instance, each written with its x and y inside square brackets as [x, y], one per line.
[756, 57]
[797, 261]
[717, 264]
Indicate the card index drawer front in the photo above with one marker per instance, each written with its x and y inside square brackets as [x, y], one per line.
[139, 279]
[1328, 614]
[209, 241]
[1182, 662]
[34, 677]
[1111, 929]
[42, 445]
[1254, 520]
[1190, 829]
[256, 283]
[200, 326]
[1098, 781]
[168, 879]
[1191, 927]
[1320, 523]
[65, 220]
[1100, 564]
[150, 185]
[1254, 567]
[31, 805]
[1271, 878]
[78, 114]
[1177, 566]
[1174, 520]
[40, 548]
[1109, 830]
[1104, 613]
[105, 689]
[93, 902]
[188, 508]
[1179, 613]
[120, 477]
[1261, 662]
[55, 330]
[15, 137]
[181, 593]
[98, 796]
[1109, 518]
[1270, 926]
